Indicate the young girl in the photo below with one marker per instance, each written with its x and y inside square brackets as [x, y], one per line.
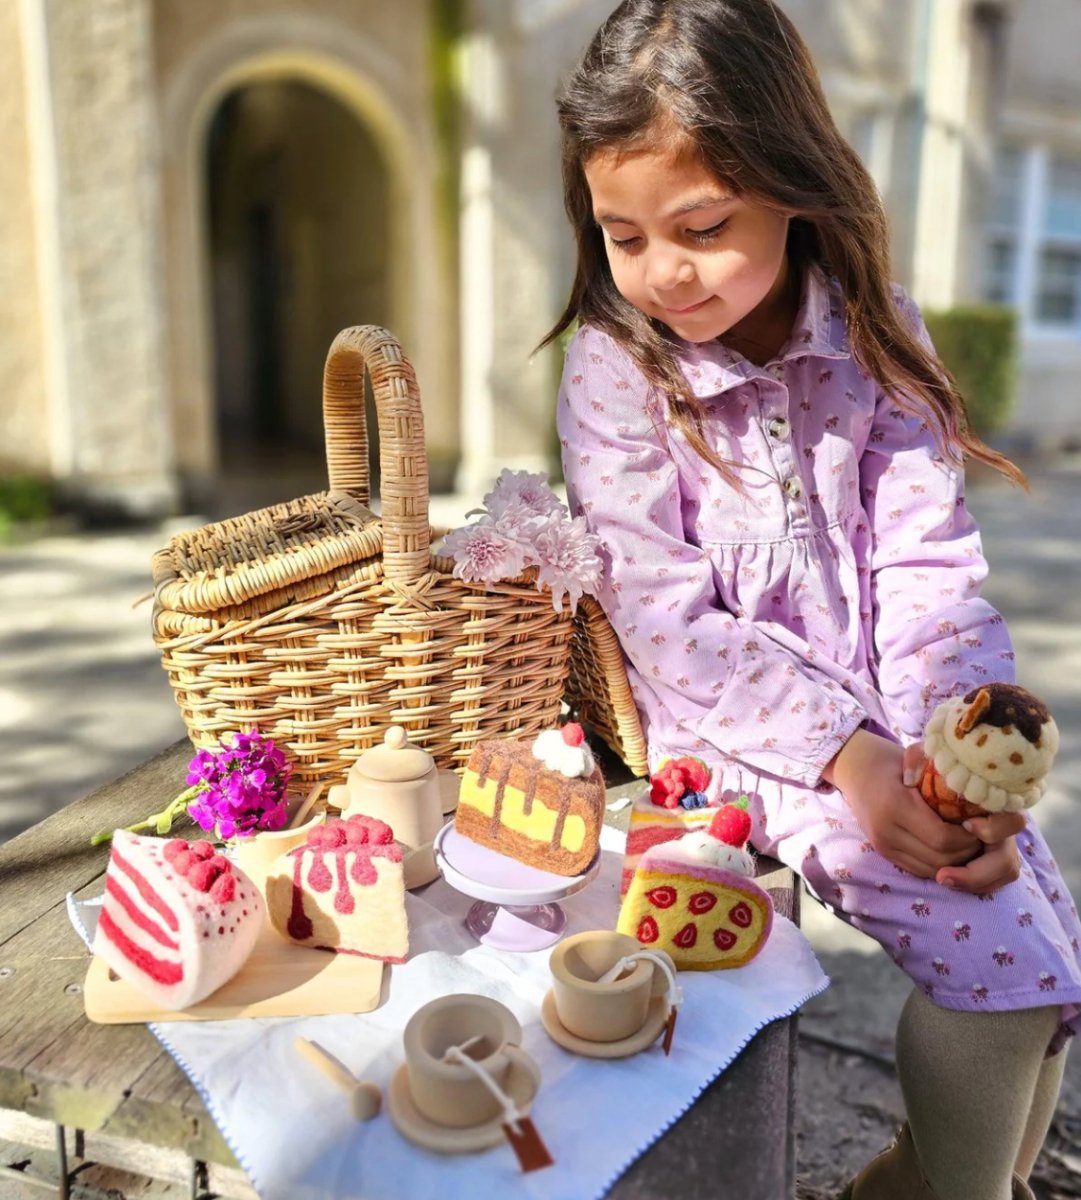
[758, 429]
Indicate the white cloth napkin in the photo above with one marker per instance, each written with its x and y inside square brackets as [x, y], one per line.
[292, 1130]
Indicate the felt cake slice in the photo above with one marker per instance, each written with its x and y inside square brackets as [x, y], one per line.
[695, 897]
[343, 890]
[541, 803]
[674, 804]
[177, 920]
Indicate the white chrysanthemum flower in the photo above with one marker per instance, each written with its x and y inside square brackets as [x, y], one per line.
[529, 489]
[567, 558]
[482, 553]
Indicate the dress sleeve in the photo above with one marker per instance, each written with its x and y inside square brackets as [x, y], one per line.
[934, 635]
[718, 676]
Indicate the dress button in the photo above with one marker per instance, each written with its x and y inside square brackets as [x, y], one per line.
[793, 487]
[779, 428]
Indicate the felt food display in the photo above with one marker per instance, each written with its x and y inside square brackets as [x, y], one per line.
[989, 751]
[343, 890]
[541, 803]
[674, 805]
[178, 920]
[696, 898]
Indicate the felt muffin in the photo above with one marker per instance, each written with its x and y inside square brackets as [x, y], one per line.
[988, 751]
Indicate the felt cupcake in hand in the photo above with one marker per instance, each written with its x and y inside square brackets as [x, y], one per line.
[988, 751]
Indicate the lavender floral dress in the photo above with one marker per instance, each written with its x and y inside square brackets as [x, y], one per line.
[840, 589]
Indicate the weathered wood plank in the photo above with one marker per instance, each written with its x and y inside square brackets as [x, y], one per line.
[126, 1154]
[54, 857]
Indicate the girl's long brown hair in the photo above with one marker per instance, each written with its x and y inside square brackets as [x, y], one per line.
[735, 79]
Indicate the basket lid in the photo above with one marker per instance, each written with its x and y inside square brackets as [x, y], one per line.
[231, 562]
[397, 760]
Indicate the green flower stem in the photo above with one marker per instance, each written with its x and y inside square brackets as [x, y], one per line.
[160, 822]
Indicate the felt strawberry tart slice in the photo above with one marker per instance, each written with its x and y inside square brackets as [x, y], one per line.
[343, 890]
[178, 919]
[675, 804]
[696, 898]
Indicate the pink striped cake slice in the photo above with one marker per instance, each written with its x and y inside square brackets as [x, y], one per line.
[177, 920]
[652, 824]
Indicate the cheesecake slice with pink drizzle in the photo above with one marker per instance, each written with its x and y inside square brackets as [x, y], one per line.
[343, 890]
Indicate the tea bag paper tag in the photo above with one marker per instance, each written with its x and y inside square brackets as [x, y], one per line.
[670, 1030]
[527, 1145]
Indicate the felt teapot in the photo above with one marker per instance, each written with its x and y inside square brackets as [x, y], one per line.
[397, 782]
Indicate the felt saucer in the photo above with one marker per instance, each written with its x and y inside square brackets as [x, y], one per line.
[523, 1083]
[656, 1016]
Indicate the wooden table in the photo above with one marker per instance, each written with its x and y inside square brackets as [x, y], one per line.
[111, 1094]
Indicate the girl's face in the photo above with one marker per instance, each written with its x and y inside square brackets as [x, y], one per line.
[686, 251]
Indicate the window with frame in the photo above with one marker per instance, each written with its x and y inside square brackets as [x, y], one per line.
[1034, 234]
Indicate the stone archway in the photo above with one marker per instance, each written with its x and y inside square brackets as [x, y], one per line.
[420, 298]
[298, 223]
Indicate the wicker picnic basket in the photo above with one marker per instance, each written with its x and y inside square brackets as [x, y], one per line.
[320, 624]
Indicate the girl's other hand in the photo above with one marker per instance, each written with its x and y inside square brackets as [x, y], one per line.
[998, 862]
[900, 825]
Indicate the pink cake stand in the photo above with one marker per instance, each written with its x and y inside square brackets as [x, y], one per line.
[517, 906]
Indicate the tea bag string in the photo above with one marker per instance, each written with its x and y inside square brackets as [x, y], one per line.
[511, 1112]
[675, 992]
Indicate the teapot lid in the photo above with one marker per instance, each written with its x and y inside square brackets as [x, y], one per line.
[397, 760]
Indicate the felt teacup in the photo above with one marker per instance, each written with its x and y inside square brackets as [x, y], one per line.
[450, 1093]
[604, 1011]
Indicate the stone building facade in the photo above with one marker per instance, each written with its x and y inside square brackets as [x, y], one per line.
[199, 193]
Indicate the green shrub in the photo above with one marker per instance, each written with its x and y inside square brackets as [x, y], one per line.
[23, 499]
[978, 343]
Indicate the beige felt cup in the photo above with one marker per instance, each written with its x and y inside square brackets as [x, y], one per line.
[603, 1012]
[449, 1093]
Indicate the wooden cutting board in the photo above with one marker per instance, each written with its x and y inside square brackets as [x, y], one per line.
[278, 980]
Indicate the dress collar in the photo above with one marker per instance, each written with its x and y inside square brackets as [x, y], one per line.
[819, 330]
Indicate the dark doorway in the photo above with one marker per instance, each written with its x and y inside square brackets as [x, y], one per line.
[299, 244]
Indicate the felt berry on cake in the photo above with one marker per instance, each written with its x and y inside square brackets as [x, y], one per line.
[988, 751]
[177, 920]
[696, 897]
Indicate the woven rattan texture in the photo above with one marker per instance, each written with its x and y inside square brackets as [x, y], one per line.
[320, 624]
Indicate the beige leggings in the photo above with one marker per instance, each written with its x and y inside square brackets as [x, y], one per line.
[979, 1093]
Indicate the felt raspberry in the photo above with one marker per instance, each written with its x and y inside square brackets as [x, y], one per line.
[201, 875]
[223, 889]
[573, 734]
[732, 825]
[667, 786]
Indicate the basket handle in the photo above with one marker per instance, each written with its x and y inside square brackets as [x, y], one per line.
[403, 467]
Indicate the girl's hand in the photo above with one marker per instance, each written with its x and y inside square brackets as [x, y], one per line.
[998, 862]
[899, 824]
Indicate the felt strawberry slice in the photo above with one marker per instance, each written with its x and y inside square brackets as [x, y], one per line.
[740, 914]
[701, 902]
[662, 897]
[695, 773]
[724, 939]
[647, 931]
[732, 825]
[687, 936]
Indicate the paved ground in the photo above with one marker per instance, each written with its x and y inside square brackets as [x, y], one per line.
[82, 698]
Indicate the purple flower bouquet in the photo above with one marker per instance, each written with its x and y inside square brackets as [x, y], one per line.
[237, 790]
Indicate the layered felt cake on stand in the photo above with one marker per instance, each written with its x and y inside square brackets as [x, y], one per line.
[539, 802]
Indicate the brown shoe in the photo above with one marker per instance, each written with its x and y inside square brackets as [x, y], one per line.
[895, 1174]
